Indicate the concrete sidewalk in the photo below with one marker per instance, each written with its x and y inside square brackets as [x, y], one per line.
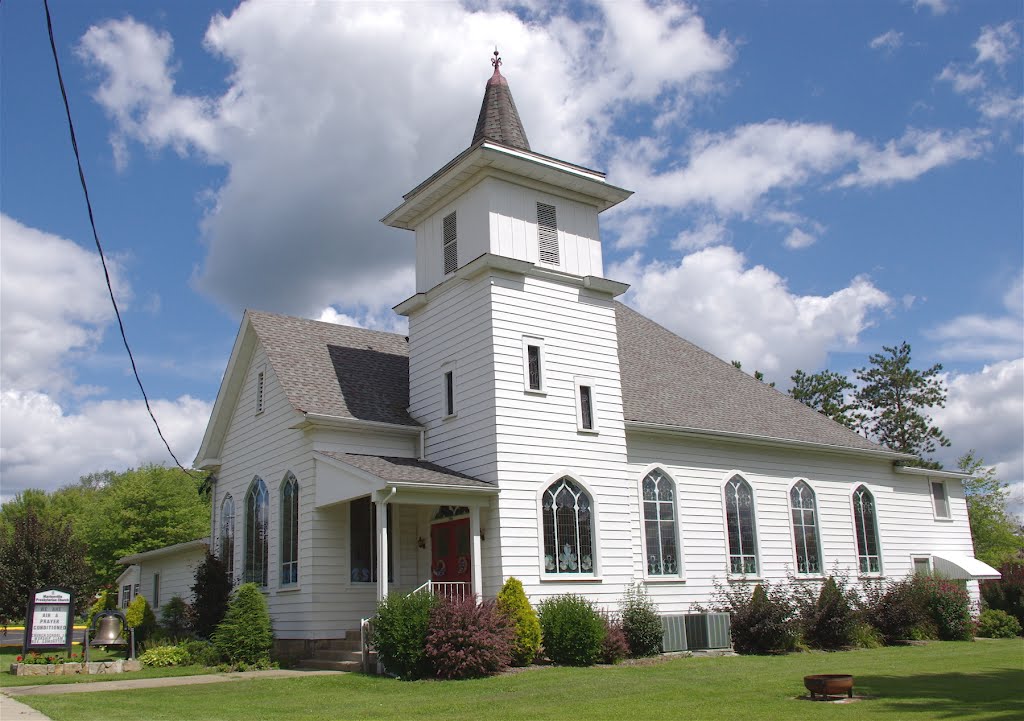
[12, 710]
[127, 684]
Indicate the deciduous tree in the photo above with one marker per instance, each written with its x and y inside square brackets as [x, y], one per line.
[997, 539]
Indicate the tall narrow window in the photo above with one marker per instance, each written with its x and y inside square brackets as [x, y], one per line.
[547, 234]
[126, 595]
[940, 504]
[449, 393]
[660, 524]
[866, 526]
[156, 590]
[256, 527]
[451, 245]
[363, 541]
[739, 516]
[289, 530]
[586, 412]
[260, 381]
[533, 366]
[568, 528]
[805, 528]
[227, 535]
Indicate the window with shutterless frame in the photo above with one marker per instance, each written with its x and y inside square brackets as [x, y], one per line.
[741, 526]
[533, 364]
[257, 531]
[586, 405]
[865, 523]
[661, 532]
[289, 530]
[806, 537]
[567, 519]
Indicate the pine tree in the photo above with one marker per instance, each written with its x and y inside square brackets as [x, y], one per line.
[826, 392]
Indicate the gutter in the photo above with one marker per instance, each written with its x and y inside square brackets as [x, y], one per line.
[918, 471]
[319, 419]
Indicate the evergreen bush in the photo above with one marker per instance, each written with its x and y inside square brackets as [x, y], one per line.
[174, 617]
[831, 623]
[512, 601]
[211, 591]
[1006, 593]
[201, 652]
[400, 631]
[615, 647]
[245, 636]
[641, 623]
[572, 631]
[140, 617]
[467, 640]
[994, 623]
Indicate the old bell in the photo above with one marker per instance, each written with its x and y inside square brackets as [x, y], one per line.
[108, 633]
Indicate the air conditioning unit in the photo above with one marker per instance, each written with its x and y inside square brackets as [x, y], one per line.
[696, 632]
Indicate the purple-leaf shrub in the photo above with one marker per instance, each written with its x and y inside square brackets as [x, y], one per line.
[614, 648]
[466, 640]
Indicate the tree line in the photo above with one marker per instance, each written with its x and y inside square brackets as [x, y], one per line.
[74, 536]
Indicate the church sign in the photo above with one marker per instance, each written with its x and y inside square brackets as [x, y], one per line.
[49, 622]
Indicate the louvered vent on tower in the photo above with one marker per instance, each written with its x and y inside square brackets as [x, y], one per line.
[547, 233]
[451, 247]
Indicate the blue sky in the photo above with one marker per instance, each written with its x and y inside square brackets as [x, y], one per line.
[813, 181]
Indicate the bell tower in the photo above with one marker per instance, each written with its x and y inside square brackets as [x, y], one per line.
[513, 350]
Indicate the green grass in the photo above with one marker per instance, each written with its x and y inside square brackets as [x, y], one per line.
[8, 654]
[981, 680]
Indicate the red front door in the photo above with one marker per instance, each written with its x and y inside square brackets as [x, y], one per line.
[450, 551]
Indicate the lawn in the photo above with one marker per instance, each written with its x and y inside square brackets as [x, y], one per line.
[980, 680]
[9, 653]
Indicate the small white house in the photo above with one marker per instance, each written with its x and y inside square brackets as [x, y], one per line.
[531, 425]
[161, 574]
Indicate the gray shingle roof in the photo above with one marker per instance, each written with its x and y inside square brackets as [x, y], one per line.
[670, 381]
[357, 373]
[499, 120]
[338, 370]
[408, 470]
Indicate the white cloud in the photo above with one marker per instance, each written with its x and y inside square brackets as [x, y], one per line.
[799, 239]
[889, 40]
[708, 232]
[985, 411]
[913, 155]
[997, 44]
[748, 313]
[962, 81]
[937, 7]
[985, 337]
[292, 233]
[1002, 106]
[53, 304]
[45, 446]
[330, 315]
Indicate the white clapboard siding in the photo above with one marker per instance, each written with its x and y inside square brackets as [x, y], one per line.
[177, 572]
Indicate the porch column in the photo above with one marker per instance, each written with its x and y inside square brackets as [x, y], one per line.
[474, 532]
[382, 550]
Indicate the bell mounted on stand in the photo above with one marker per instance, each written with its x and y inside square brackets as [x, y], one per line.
[108, 629]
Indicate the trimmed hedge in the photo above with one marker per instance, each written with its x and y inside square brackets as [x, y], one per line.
[572, 630]
[400, 633]
[994, 623]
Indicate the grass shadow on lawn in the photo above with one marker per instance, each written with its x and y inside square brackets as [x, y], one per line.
[996, 695]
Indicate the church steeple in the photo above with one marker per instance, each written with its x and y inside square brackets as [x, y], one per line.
[499, 120]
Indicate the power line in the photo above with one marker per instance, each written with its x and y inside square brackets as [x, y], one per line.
[96, 237]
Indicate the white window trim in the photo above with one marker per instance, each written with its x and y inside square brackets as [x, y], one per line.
[157, 590]
[394, 567]
[596, 576]
[595, 418]
[821, 574]
[915, 557]
[680, 575]
[880, 573]
[757, 528]
[528, 341]
[945, 495]
[281, 584]
[446, 368]
[261, 389]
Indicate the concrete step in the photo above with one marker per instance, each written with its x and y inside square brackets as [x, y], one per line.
[336, 655]
[349, 643]
[331, 665]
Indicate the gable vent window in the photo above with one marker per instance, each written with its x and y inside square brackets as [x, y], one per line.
[260, 381]
[547, 234]
[451, 246]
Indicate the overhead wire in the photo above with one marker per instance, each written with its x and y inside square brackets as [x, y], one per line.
[96, 237]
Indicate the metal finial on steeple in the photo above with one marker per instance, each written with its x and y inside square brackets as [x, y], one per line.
[496, 61]
[499, 120]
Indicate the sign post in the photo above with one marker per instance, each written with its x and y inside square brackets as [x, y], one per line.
[49, 621]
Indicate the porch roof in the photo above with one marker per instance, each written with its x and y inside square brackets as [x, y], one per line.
[410, 471]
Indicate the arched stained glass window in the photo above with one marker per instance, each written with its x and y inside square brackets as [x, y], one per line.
[805, 528]
[739, 516]
[256, 531]
[289, 530]
[227, 535]
[568, 528]
[866, 523]
[659, 498]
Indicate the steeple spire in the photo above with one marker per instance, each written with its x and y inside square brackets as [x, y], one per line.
[499, 120]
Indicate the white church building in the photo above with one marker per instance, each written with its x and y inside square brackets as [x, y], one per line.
[531, 425]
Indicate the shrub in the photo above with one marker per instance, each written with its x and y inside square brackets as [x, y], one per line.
[201, 653]
[174, 617]
[572, 630]
[162, 656]
[105, 601]
[949, 607]
[140, 617]
[763, 618]
[467, 640]
[866, 636]
[615, 647]
[512, 601]
[1006, 593]
[830, 623]
[211, 592]
[400, 633]
[245, 635]
[640, 622]
[899, 611]
[994, 623]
